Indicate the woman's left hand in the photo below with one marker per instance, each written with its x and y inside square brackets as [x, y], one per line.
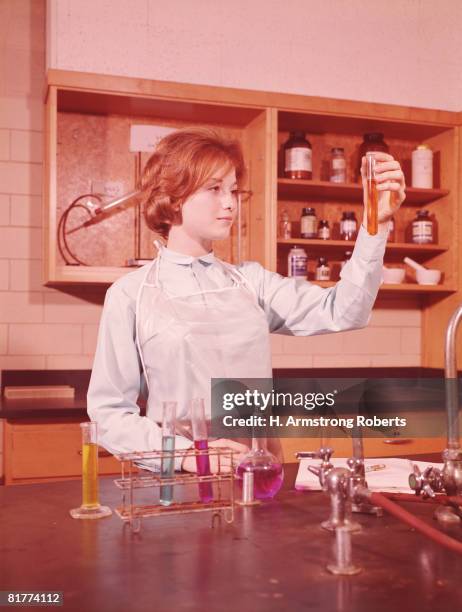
[391, 186]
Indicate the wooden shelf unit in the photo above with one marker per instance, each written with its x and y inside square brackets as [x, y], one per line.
[89, 114]
[417, 250]
[88, 123]
[296, 189]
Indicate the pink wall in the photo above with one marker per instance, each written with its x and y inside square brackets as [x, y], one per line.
[39, 327]
[399, 51]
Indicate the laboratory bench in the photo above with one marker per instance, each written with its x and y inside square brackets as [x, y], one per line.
[273, 557]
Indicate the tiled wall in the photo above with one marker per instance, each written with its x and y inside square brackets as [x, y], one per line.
[39, 327]
[392, 338]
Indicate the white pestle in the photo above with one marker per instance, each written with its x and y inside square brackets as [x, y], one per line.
[414, 264]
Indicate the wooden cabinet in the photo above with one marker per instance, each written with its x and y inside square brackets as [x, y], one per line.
[88, 120]
[36, 450]
[88, 117]
[330, 200]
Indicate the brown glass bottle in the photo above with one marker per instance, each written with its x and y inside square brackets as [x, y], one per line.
[297, 157]
[372, 141]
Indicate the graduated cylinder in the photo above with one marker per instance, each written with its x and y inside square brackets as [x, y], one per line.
[90, 507]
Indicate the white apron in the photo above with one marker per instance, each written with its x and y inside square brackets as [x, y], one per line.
[185, 341]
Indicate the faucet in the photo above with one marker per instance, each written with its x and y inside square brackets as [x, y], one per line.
[449, 479]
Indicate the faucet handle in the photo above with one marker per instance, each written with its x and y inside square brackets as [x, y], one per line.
[356, 467]
[325, 453]
[425, 483]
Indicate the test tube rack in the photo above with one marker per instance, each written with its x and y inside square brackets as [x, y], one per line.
[222, 505]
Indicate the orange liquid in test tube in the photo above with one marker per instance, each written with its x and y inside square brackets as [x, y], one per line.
[372, 196]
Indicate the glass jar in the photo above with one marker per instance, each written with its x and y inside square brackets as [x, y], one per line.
[324, 229]
[298, 157]
[308, 223]
[346, 257]
[372, 141]
[422, 167]
[298, 263]
[322, 270]
[422, 228]
[348, 225]
[285, 226]
[337, 172]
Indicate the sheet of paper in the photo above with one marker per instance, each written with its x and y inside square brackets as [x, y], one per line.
[383, 474]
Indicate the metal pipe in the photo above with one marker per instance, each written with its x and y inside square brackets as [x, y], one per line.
[117, 201]
[450, 373]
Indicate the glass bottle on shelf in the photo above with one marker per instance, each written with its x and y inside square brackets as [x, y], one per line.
[373, 141]
[298, 157]
[322, 270]
[346, 258]
[422, 167]
[348, 225]
[422, 228]
[324, 229]
[337, 172]
[298, 263]
[308, 223]
[285, 226]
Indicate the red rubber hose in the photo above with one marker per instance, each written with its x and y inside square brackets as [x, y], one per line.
[377, 499]
[445, 500]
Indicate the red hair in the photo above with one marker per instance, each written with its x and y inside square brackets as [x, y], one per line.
[181, 163]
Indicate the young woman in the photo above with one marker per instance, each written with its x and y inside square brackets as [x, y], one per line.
[187, 317]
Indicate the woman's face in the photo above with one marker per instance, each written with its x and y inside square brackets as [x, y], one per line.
[209, 213]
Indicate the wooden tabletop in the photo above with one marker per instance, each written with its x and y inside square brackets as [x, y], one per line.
[272, 558]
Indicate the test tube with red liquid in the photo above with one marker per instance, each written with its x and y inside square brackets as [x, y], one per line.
[372, 196]
[200, 437]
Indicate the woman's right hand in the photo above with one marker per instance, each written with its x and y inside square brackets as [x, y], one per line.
[189, 461]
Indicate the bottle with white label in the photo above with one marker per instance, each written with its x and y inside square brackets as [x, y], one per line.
[324, 229]
[322, 270]
[348, 225]
[308, 223]
[298, 263]
[422, 167]
[298, 157]
[337, 166]
[422, 228]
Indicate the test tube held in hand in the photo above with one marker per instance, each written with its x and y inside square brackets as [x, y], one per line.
[199, 430]
[168, 449]
[372, 196]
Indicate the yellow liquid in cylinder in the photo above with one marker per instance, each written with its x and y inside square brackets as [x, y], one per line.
[372, 207]
[90, 476]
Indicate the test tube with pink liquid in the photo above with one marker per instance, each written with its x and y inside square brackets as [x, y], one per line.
[200, 437]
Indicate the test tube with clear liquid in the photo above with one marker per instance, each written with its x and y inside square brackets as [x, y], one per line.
[372, 196]
[168, 448]
[90, 508]
[200, 437]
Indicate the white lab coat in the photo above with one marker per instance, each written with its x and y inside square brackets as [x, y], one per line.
[292, 307]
